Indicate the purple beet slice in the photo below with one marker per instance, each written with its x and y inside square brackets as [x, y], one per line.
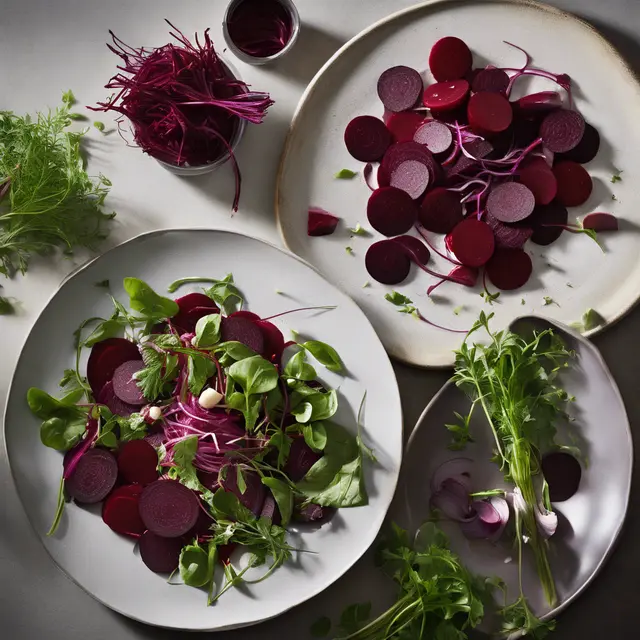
[540, 181]
[138, 462]
[168, 508]
[106, 357]
[387, 262]
[489, 113]
[416, 250]
[125, 386]
[161, 555]
[509, 269]
[273, 341]
[440, 211]
[93, 478]
[547, 222]
[402, 152]
[367, 138]
[391, 211]
[540, 102]
[108, 398]
[321, 222]
[511, 202]
[434, 135]
[270, 510]
[239, 329]
[450, 59]
[301, 458]
[255, 492]
[472, 242]
[562, 130]
[587, 149]
[121, 511]
[507, 236]
[403, 126]
[562, 473]
[445, 96]
[574, 183]
[412, 177]
[600, 222]
[478, 149]
[310, 513]
[491, 80]
[399, 88]
[192, 307]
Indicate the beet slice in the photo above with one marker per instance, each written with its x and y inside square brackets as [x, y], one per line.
[391, 211]
[93, 478]
[243, 313]
[404, 125]
[301, 458]
[108, 398]
[168, 508]
[600, 222]
[478, 149]
[387, 262]
[270, 510]
[402, 152]
[273, 341]
[399, 88]
[125, 386]
[472, 242]
[540, 181]
[547, 222]
[508, 236]
[192, 307]
[106, 357]
[509, 269]
[367, 138]
[437, 137]
[161, 555]
[574, 183]
[243, 330]
[511, 202]
[445, 96]
[450, 59]
[440, 211]
[411, 176]
[540, 102]
[562, 473]
[121, 511]
[255, 492]
[416, 250]
[489, 113]
[138, 462]
[202, 526]
[587, 149]
[310, 513]
[562, 130]
[525, 131]
[491, 80]
[321, 222]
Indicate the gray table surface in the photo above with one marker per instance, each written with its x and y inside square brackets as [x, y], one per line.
[50, 45]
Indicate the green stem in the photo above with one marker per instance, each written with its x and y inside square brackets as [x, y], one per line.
[59, 509]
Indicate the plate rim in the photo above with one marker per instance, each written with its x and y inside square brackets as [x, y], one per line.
[435, 5]
[13, 483]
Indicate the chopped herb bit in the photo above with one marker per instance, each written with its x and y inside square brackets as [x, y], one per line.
[547, 301]
[613, 196]
[68, 98]
[366, 284]
[395, 297]
[349, 250]
[6, 307]
[616, 177]
[457, 310]
[592, 319]
[490, 297]
[99, 125]
[569, 285]
[346, 174]
[103, 284]
[522, 302]
[278, 292]
[358, 230]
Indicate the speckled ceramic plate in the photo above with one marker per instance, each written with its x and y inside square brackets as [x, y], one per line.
[574, 272]
[103, 563]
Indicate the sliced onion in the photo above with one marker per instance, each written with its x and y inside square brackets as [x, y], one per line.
[502, 507]
[518, 503]
[458, 468]
[547, 521]
[485, 523]
[453, 501]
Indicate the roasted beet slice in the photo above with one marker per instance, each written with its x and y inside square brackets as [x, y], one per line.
[412, 177]
[121, 511]
[387, 262]
[508, 236]
[450, 59]
[270, 510]
[440, 211]
[138, 462]
[249, 315]
[472, 242]
[273, 341]
[416, 250]
[509, 269]
[478, 149]
[562, 130]
[161, 555]
[510, 202]
[93, 478]
[600, 222]
[168, 508]
[106, 357]
[445, 96]
[255, 492]
[243, 330]
[321, 222]
[403, 152]
[587, 149]
[539, 102]
[108, 398]
[562, 473]
[403, 126]
[391, 211]
[489, 113]
[367, 138]
[399, 88]
[491, 80]
[540, 181]
[301, 458]
[547, 222]
[434, 135]
[574, 183]
[193, 306]
[125, 386]
[202, 526]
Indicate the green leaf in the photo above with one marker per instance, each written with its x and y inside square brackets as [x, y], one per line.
[6, 307]
[324, 354]
[195, 569]
[298, 369]
[323, 405]
[346, 174]
[255, 375]
[303, 412]
[226, 506]
[358, 230]
[99, 126]
[226, 295]
[282, 442]
[240, 481]
[106, 436]
[144, 300]
[283, 496]
[184, 452]
[354, 617]
[107, 329]
[616, 177]
[398, 299]
[208, 331]
[349, 250]
[68, 98]
[161, 367]
[199, 369]
[132, 427]
[235, 350]
[321, 627]
[592, 319]
[315, 435]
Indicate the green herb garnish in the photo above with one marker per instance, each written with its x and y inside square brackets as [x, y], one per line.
[349, 250]
[99, 126]
[616, 177]
[6, 307]
[358, 230]
[346, 174]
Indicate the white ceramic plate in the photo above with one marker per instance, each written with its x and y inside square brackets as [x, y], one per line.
[607, 94]
[589, 522]
[102, 562]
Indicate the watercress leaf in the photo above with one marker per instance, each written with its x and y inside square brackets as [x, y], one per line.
[315, 435]
[226, 506]
[132, 427]
[283, 496]
[255, 375]
[354, 617]
[346, 489]
[207, 331]
[240, 481]
[63, 432]
[323, 405]
[324, 354]
[321, 627]
[106, 436]
[251, 411]
[235, 350]
[194, 565]
[160, 367]
[298, 369]
[199, 369]
[303, 412]
[185, 451]
[346, 174]
[282, 442]
[226, 295]
[144, 300]
[107, 329]
[398, 299]
[45, 406]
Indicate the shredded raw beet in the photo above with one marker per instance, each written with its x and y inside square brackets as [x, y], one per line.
[183, 103]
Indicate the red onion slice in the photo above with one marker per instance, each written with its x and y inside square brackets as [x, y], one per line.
[457, 468]
[453, 501]
[547, 521]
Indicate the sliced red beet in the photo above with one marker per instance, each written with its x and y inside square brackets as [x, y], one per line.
[472, 242]
[509, 269]
[540, 181]
[193, 306]
[108, 398]
[161, 555]
[391, 211]
[255, 492]
[562, 130]
[249, 315]
[534, 161]
[367, 138]
[491, 80]
[168, 508]
[547, 222]
[416, 250]
[440, 211]
[478, 149]
[489, 113]
[270, 510]
[510, 202]
[445, 96]
[507, 236]
[525, 131]
[273, 341]
[574, 183]
[125, 386]
[600, 222]
[121, 511]
[450, 59]
[404, 125]
[310, 513]
[202, 526]
[399, 88]
[225, 552]
[301, 458]
[539, 102]
[106, 357]
[321, 222]
[138, 462]
[412, 177]
[387, 262]
[437, 137]
[94, 477]
[563, 474]
[239, 329]
[588, 147]
[403, 152]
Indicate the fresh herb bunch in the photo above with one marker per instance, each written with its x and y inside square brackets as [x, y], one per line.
[47, 199]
